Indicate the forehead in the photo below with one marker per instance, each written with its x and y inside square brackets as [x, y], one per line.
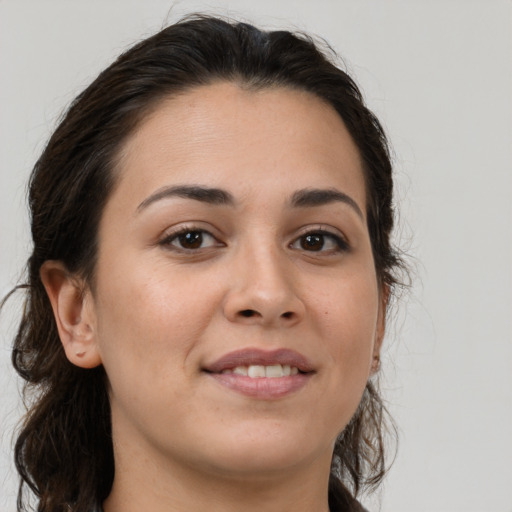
[223, 133]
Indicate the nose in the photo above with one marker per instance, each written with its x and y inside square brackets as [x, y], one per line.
[263, 290]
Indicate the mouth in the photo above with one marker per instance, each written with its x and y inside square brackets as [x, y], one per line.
[259, 374]
[257, 371]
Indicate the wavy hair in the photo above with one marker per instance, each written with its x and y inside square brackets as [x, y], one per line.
[64, 448]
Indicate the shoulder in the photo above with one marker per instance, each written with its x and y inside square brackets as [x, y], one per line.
[355, 506]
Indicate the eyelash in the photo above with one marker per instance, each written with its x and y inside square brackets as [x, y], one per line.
[340, 244]
[170, 238]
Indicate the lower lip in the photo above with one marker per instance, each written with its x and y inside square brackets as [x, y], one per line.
[263, 388]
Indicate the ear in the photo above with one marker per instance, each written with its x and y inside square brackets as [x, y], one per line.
[73, 309]
[380, 328]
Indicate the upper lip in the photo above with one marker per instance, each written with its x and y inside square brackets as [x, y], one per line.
[254, 356]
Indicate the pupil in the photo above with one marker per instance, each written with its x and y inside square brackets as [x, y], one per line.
[313, 242]
[191, 240]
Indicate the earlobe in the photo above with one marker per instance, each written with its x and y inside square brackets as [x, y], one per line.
[73, 312]
[380, 329]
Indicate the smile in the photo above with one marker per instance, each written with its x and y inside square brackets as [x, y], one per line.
[264, 375]
[260, 371]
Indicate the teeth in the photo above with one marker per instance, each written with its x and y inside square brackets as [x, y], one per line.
[256, 371]
[259, 371]
[275, 370]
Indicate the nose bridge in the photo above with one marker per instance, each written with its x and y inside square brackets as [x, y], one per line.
[266, 274]
[262, 288]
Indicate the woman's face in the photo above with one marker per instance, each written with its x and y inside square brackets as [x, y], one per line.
[236, 308]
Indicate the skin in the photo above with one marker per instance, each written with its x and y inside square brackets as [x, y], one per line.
[159, 312]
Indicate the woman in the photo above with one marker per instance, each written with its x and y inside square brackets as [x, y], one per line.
[207, 292]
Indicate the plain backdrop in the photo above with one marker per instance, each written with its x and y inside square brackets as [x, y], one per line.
[439, 76]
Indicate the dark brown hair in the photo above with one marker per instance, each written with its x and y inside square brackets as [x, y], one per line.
[64, 450]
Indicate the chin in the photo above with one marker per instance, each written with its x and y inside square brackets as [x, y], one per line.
[267, 451]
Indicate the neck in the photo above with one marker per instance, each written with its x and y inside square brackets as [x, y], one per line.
[145, 481]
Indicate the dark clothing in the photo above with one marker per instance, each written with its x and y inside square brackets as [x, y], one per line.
[356, 507]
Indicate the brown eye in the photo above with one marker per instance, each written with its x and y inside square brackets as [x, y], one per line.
[312, 242]
[190, 240]
[320, 241]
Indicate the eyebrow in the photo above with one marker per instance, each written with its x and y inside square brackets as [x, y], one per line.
[304, 198]
[311, 197]
[215, 196]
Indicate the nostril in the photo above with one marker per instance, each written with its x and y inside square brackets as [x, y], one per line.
[247, 313]
[288, 314]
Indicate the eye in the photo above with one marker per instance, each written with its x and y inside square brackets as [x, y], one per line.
[320, 241]
[190, 239]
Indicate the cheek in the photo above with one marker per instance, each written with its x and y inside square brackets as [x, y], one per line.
[348, 314]
[147, 325]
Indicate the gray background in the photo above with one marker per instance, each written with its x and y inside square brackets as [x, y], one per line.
[439, 76]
